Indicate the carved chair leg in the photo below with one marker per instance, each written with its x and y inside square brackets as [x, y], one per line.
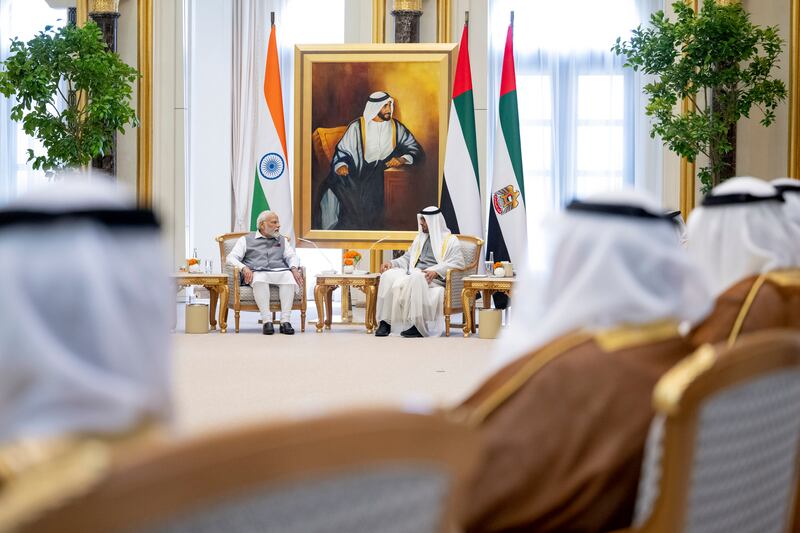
[302, 321]
[236, 319]
[273, 316]
[446, 325]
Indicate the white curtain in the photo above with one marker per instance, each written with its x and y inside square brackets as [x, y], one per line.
[582, 122]
[21, 19]
[296, 22]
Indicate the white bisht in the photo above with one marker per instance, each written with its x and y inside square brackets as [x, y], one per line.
[406, 297]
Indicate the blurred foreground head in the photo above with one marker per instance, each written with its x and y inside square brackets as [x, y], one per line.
[614, 259]
[740, 230]
[84, 334]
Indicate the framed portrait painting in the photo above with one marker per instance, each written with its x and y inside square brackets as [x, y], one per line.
[370, 132]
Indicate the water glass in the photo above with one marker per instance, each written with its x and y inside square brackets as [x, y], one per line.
[489, 266]
[209, 266]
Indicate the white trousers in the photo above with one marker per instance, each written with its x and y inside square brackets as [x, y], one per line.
[406, 300]
[261, 295]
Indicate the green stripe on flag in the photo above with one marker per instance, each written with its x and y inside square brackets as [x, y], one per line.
[509, 121]
[259, 203]
[465, 109]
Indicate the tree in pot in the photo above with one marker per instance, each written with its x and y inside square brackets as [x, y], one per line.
[716, 54]
[71, 92]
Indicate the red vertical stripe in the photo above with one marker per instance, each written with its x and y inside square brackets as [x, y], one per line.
[463, 82]
[508, 82]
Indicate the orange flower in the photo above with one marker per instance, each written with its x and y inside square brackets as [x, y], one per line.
[348, 261]
[498, 264]
[192, 261]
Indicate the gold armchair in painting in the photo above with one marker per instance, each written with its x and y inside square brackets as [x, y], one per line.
[454, 279]
[242, 295]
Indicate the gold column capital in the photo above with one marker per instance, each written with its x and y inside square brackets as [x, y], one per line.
[103, 6]
[407, 5]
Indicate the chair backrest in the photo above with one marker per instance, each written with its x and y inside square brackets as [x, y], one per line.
[471, 247]
[371, 471]
[324, 141]
[722, 452]
[226, 243]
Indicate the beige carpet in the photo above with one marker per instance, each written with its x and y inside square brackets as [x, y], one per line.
[229, 379]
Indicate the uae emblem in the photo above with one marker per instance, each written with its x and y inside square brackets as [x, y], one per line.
[505, 200]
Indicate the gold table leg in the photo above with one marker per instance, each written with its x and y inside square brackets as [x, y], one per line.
[212, 305]
[319, 300]
[347, 310]
[224, 296]
[485, 295]
[371, 293]
[329, 307]
[468, 304]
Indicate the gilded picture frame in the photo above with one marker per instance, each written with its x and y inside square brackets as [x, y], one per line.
[332, 85]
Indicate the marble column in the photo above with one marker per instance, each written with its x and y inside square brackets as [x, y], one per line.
[406, 20]
[105, 13]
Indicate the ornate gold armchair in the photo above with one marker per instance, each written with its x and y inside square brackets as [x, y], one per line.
[454, 279]
[242, 295]
[362, 471]
[722, 453]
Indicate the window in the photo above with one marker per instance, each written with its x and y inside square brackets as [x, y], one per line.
[21, 19]
[580, 122]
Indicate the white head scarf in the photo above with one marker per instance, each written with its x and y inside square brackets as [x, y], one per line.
[374, 104]
[740, 230]
[84, 338]
[680, 226]
[437, 230]
[614, 259]
[790, 188]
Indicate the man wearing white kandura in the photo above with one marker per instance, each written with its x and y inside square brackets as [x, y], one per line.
[411, 291]
[264, 258]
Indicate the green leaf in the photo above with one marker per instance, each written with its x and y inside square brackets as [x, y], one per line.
[39, 74]
[716, 55]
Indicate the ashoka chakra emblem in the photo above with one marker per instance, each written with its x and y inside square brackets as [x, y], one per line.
[271, 166]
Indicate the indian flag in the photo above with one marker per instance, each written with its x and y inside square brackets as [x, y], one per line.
[271, 187]
[461, 192]
[507, 236]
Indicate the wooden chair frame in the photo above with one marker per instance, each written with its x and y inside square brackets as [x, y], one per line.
[179, 478]
[679, 396]
[471, 268]
[235, 302]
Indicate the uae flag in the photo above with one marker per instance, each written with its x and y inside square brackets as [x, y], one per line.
[507, 236]
[271, 188]
[461, 193]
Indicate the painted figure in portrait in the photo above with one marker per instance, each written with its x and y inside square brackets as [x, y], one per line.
[353, 194]
[375, 128]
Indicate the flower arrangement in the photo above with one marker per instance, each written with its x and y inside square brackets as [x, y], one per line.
[498, 264]
[193, 264]
[351, 257]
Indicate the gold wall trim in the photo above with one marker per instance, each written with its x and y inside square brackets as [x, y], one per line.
[378, 21]
[82, 14]
[687, 184]
[794, 91]
[144, 152]
[443, 22]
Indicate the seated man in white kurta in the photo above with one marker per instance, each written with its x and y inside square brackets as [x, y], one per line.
[265, 258]
[411, 291]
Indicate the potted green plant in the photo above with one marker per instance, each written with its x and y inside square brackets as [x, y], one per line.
[718, 60]
[71, 93]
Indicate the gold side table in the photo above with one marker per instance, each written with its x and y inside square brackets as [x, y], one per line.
[366, 283]
[473, 284]
[217, 285]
